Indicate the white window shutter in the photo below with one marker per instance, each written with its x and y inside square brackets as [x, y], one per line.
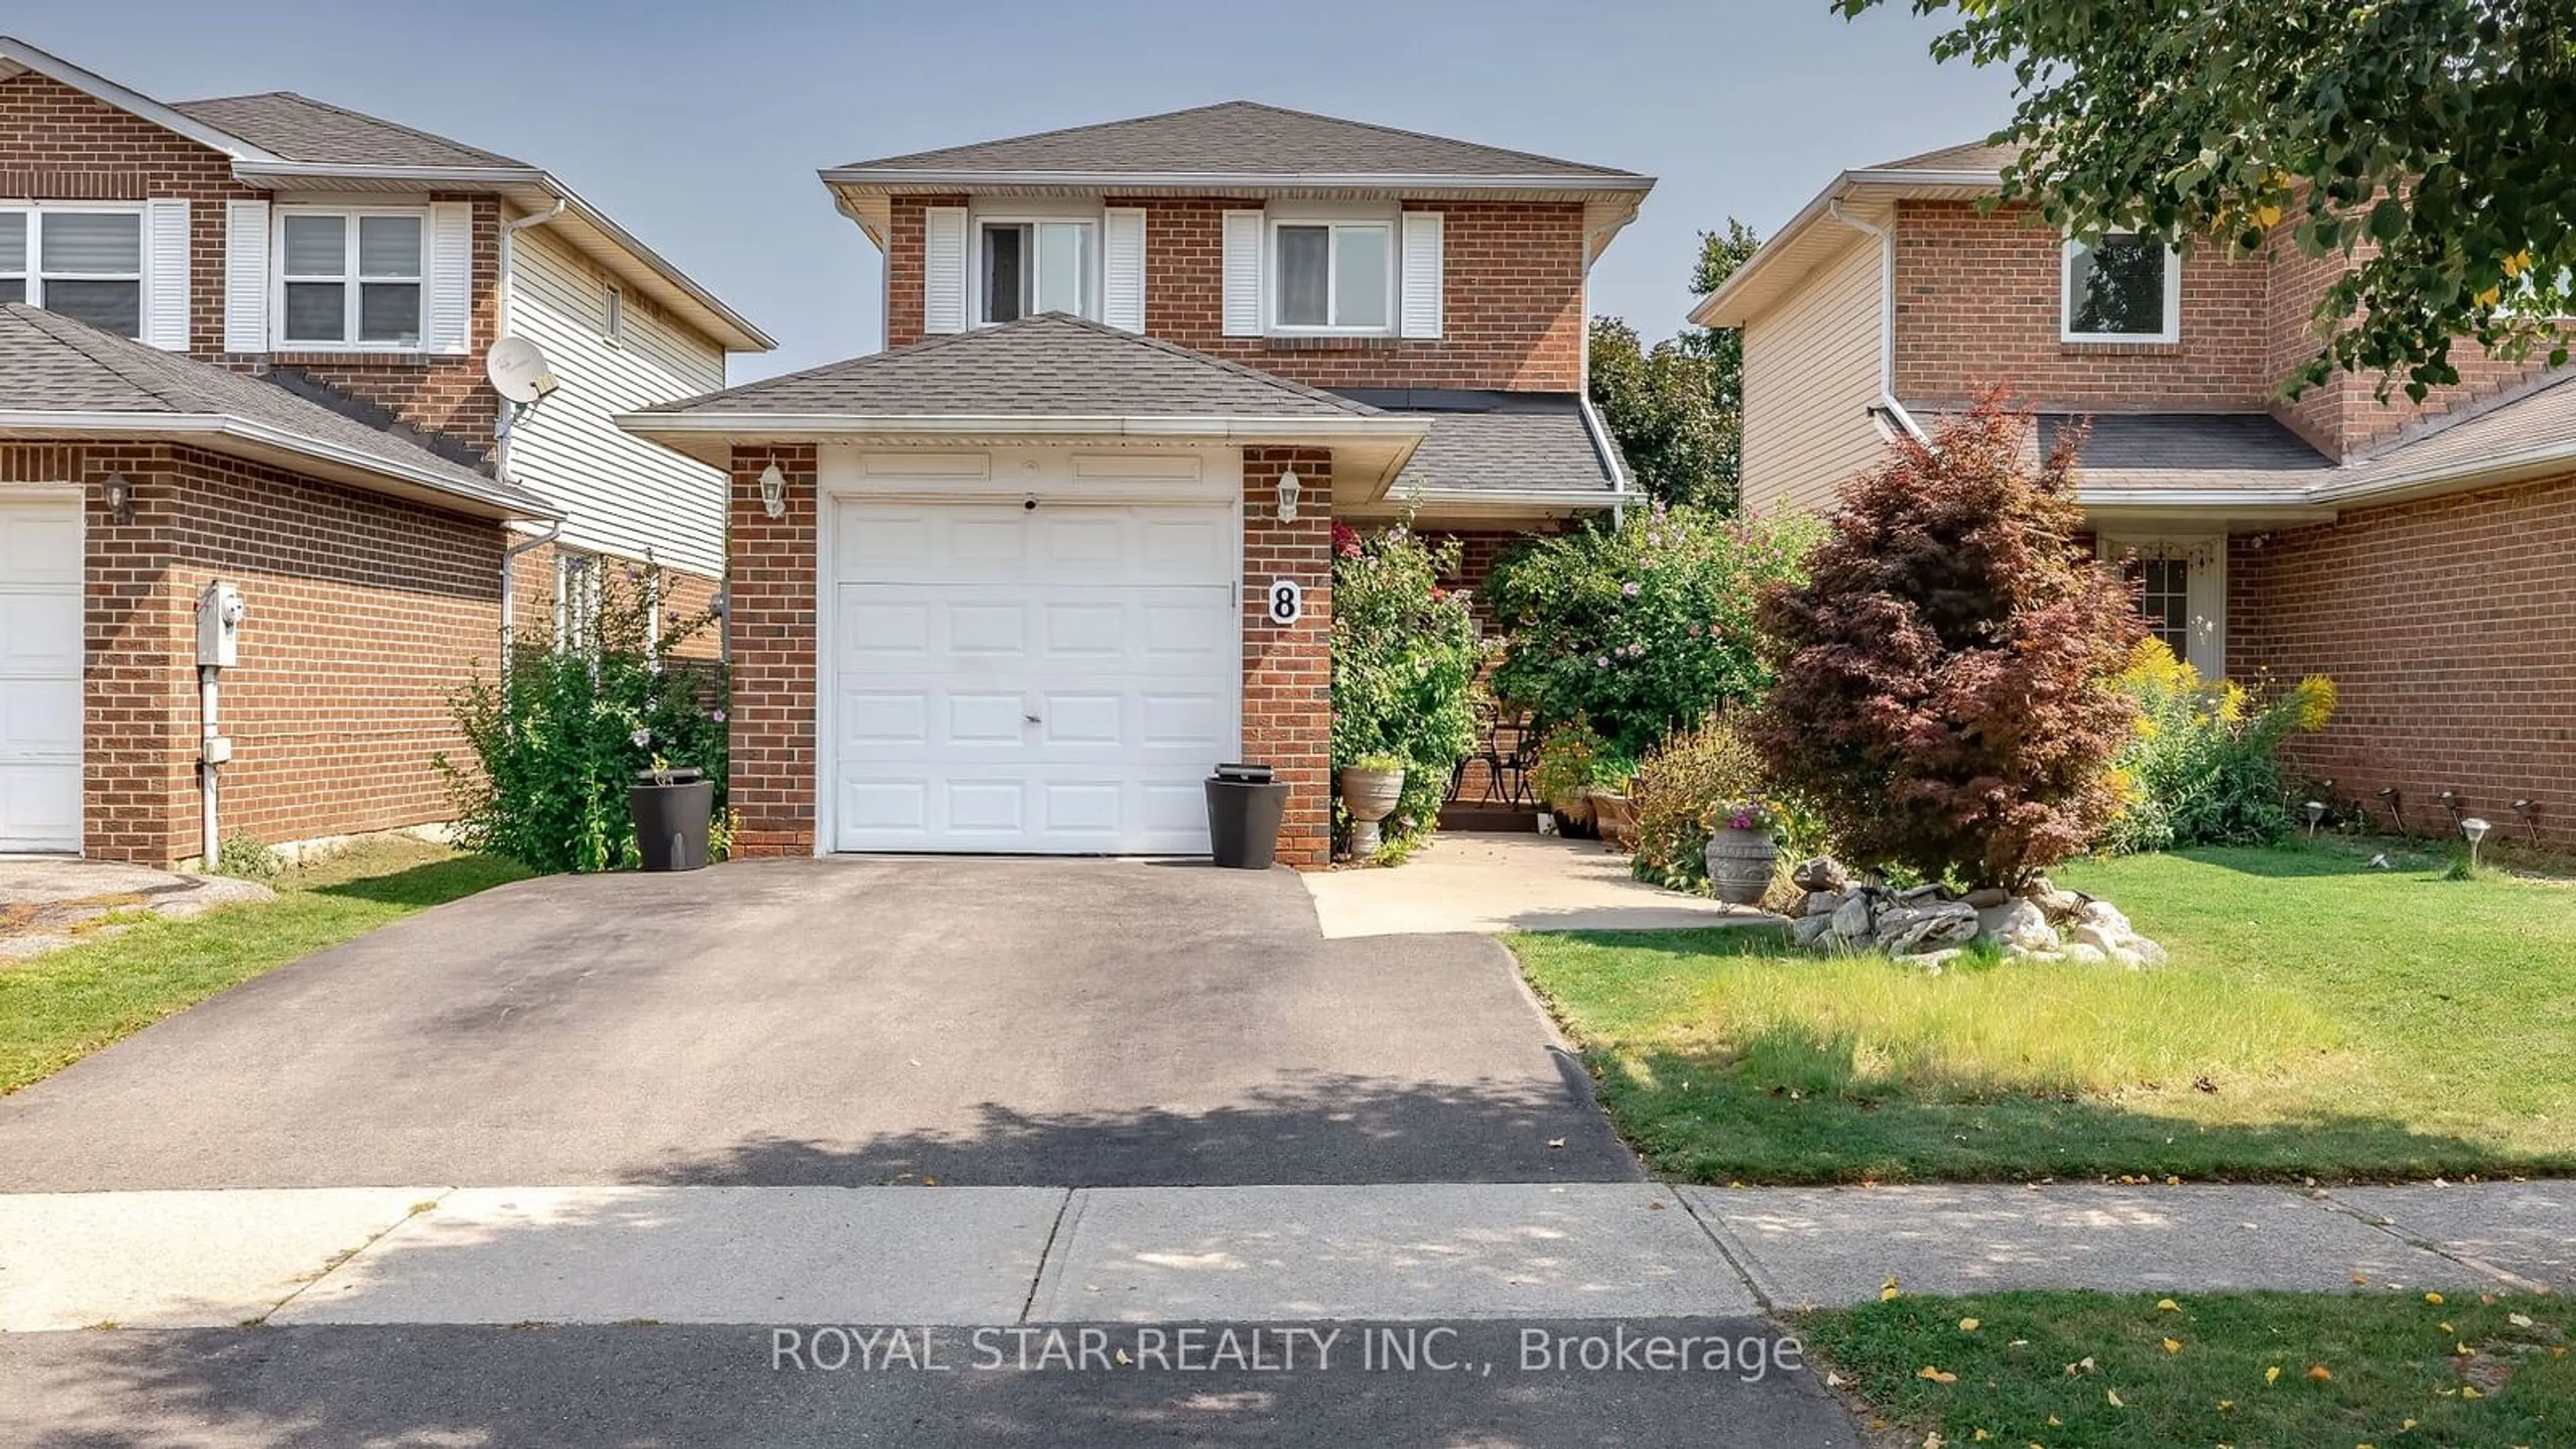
[447, 321]
[1422, 270]
[1122, 267]
[245, 276]
[1243, 274]
[943, 269]
[165, 273]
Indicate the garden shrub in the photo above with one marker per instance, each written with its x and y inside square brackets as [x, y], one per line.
[1405, 660]
[560, 730]
[1681, 785]
[2203, 767]
[1944, 683]
[1573, 757]
[1642, 628]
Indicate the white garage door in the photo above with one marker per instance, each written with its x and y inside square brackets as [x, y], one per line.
[1053, 681]
[40, 673]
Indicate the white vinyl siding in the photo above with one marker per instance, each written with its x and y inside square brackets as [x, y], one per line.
[622, 495]
[1811, 374]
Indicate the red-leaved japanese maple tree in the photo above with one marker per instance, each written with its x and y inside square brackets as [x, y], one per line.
[1943, 677]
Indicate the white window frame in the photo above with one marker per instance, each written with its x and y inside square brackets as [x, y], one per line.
[351, 280]
[2172, 330]
[1273, 274]
[33, 278]
[612, 313]
[1091, 280]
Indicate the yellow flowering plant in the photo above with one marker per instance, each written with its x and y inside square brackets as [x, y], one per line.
[2203, 767]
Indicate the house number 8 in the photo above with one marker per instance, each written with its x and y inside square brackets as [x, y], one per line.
[1287, 602]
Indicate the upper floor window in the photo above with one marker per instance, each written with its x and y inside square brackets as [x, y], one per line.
[82, 262]
[1027, 267]
[1332, 276]
[612, 312]
[350, 279]
[2123, 288]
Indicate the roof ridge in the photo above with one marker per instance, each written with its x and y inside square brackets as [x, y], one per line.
[2427, 429]
[1413, 135]
[102, 349]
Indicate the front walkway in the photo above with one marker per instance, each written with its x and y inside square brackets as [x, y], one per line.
[49, 901]
[1434, 1252]
[1490, 883]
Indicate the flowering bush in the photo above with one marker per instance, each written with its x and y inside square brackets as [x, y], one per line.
[1644, 628]
[2203, 767]
[1405, 659]
[560, 731]
[1696, 780]
[1572, 758]
[1944, 677]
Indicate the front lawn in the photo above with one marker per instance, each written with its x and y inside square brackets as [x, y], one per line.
[2318, 1018]
[2055, 1369]
[61, 1006]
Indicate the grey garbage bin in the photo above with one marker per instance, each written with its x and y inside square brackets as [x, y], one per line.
[1244, 806]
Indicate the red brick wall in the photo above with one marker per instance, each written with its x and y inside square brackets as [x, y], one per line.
[363, 613]
[1512, 297]
[2449, 628]
[771, 629]
[1978, 302]
[60, 144]
[1288, 673]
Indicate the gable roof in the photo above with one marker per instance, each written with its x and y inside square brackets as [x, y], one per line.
[281, 141]
[1051, 366]
[60, 377]
[1527, 448]
[299, 128]
[1966, 156]
[1238, 138]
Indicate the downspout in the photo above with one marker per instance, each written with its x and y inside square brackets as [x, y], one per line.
[1886, 314]
[501, 442]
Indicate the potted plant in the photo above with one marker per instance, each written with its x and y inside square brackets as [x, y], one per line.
[1574, 763]
[672, 809]
[1742, 851]
[1371, 785]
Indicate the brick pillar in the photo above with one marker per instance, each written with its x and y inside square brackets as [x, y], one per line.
[771, 627]
[1288, 673]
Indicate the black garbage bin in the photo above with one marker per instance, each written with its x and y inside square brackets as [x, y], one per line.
[671, 811]
[1244, 806]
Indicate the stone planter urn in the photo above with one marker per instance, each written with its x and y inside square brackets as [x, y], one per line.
[1740, 863]
[1369, 796]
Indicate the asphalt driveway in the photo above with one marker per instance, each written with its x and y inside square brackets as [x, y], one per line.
[1061, 1023]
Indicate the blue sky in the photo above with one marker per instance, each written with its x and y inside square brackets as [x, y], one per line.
[700, 126]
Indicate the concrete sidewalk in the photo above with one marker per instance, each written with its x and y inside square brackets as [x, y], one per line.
[1393, 1253]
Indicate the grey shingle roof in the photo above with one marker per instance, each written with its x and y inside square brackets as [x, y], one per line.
[1050, 365]
[50, 363]
[1240, 137]
[1497, 441]
[2190, 443]
[2542, 418]
[1967, 156]
[300, 128]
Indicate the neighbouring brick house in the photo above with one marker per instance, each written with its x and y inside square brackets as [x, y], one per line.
[1005, 586]
[243, 341]
[2424, 556]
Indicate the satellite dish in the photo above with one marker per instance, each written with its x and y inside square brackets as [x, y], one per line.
[518, 370]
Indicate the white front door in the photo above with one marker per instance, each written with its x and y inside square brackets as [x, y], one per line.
[1055, 680]
[40, 672]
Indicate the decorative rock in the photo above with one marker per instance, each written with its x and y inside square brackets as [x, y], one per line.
[2088, 933]
[1986, 898]
[2149, 953]
[2106, 916]
[1811, 930]
[1920, 893]
[1933, 961]
[1823, 903]
[2083, 955]
[1823, 874]
[1905, 930]
[1851, 919]
[2128, 959]
[2016, 924]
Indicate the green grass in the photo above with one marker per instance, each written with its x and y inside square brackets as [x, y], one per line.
[2042, 1368]
[2318, 1019]
[61, 1006]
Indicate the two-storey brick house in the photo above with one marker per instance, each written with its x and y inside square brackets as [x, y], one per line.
[242, 340]
[1016, 582]
[2418, 554]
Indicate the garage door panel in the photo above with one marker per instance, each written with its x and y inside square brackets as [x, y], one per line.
[40, 673]
[40, 632]
[40, 544]
[1116, 627]
[40, 807]
[41, 719]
